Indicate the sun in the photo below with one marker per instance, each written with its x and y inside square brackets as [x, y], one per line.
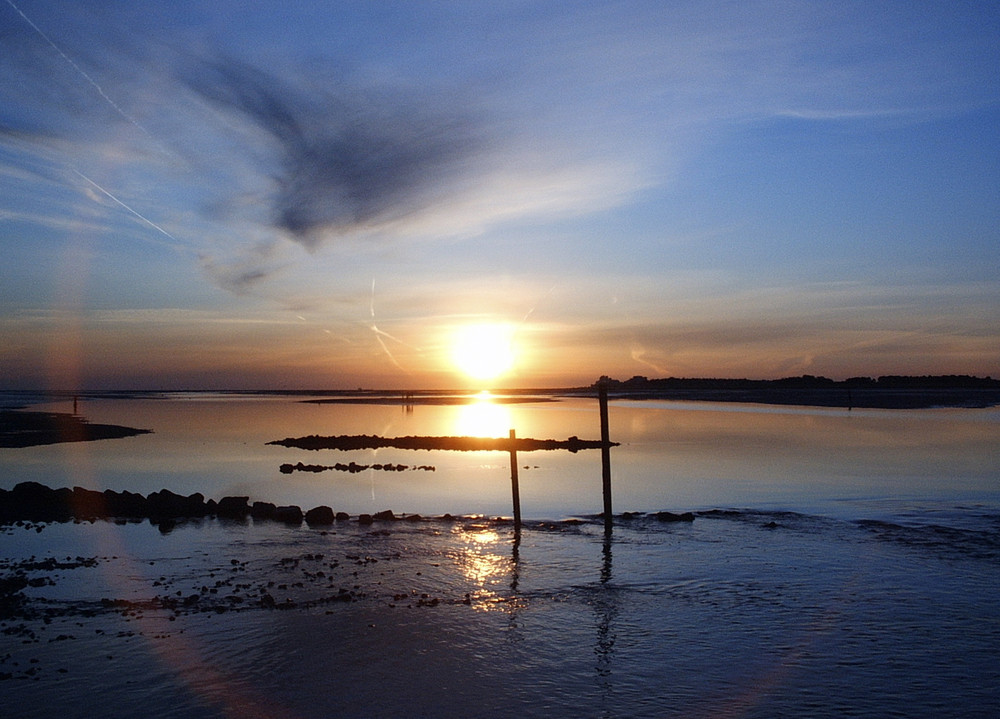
[483, 351]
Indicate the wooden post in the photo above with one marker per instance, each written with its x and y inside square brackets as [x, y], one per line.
[514, 489]
[602, 397]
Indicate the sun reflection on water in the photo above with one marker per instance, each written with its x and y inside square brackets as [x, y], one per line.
[482, 566]
[482, 418]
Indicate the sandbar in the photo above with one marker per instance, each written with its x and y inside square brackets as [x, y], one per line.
[29, 429]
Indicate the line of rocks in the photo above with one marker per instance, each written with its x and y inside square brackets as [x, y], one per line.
[352, 467]
[35, 502]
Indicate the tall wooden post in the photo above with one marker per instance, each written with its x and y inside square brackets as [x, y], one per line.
[514, 489]
[602, 397]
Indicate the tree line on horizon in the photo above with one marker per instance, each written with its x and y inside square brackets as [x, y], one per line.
[806, 381]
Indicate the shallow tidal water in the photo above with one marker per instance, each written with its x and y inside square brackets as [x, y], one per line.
[839, 564]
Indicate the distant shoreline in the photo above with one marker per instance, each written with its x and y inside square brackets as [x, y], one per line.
[846, 399]
[886, 392]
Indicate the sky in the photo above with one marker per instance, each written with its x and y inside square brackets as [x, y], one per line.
[262, 195]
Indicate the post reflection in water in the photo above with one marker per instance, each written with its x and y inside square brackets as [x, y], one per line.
[515, 562]
[606, 609]
[606, 565]
[513, 627]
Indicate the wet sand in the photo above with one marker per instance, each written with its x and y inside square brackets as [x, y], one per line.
[733, 614]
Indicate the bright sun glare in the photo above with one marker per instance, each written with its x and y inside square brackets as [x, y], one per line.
[483, 351]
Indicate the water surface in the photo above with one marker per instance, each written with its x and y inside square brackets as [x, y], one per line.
[839, 564]
[677, 456]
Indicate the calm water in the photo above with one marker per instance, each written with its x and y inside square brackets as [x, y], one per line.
[676, 456]
[841, 564]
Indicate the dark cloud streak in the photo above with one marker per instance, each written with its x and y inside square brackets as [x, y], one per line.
[348, 160]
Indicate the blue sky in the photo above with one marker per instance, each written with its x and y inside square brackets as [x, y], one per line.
[260, 194]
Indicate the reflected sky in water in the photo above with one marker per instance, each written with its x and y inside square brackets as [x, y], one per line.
[739, 613]
[674, 456]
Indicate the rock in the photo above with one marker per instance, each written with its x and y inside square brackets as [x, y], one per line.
[37, 503]
[125, 504]
[167, 504]
[163, 504]
[671, 517]
[263, 510]
[321, 515]
[343, 516]
[233, 507]
[364, 519]
[385, 515]
[196, 506]
[88, 504]
[289, 514]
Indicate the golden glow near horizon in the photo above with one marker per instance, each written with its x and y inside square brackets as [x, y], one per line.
[483, 351]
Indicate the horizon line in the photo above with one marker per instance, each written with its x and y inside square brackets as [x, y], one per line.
[636, 379]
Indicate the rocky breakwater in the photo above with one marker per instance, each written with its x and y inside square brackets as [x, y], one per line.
[34, 502]
[459, 444]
